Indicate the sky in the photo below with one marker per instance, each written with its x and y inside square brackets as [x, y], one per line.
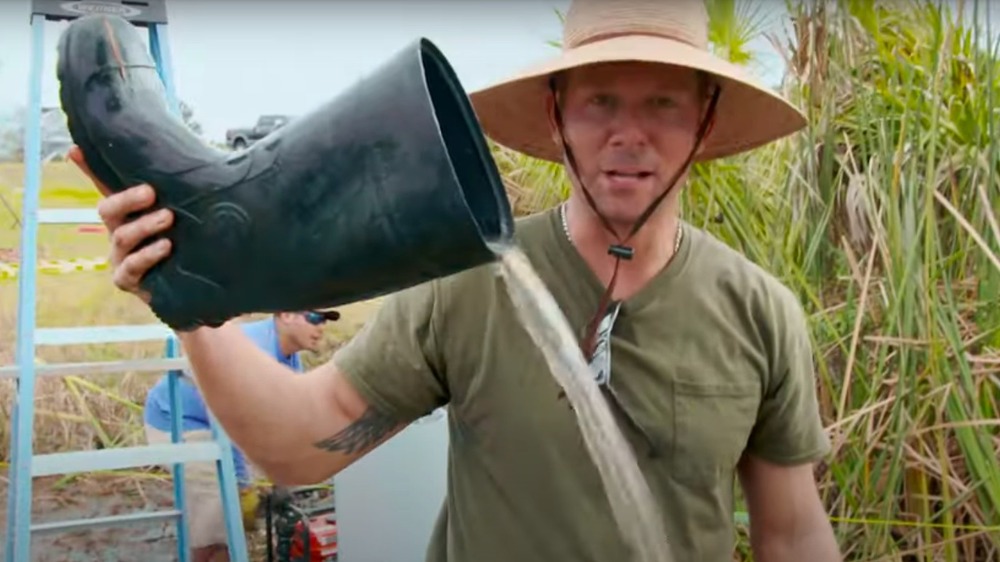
[234, 60]
[237, 59]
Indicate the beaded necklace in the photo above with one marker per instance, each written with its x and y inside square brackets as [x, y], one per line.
[565, 227]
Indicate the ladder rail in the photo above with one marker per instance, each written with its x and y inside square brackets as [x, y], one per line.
[69, 216]
[17, 544]
[225, 466]
[113, 520]
[176, 433]
[89, 335]
[158, 39]
[100, 367]
[118, 458]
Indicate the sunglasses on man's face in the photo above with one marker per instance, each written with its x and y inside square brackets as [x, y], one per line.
[316, 317]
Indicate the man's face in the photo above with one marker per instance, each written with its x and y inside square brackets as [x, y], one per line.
[630, 127]
[300, 332]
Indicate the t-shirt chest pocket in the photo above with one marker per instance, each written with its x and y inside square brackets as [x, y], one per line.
[710, 428]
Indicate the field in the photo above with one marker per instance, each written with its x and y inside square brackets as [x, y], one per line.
[882, 217]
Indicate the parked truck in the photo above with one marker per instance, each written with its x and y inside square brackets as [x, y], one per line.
[240, 138]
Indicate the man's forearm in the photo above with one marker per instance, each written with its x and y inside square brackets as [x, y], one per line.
[253, 396]
[298, 428]
[814, 541]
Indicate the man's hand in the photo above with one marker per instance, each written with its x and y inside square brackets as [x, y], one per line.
[129, 264]
[787, 519]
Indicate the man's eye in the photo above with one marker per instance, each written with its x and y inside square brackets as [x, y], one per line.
[663, 102]
[601, 100]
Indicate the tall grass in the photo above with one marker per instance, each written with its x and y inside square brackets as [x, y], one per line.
[884, 222]
[882, 217]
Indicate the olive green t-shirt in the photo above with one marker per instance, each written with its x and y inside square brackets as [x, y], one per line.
[711, 359]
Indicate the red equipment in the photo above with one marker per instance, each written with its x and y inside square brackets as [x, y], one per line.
[322, 532]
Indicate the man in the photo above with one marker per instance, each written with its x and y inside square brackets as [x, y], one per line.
[708, 367]
[282, 337]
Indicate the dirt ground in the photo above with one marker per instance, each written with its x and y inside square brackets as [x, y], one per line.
[97, 496]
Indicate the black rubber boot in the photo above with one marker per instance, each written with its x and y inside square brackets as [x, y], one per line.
[388, 185]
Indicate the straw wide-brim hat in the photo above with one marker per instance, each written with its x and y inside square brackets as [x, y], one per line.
[673, 32]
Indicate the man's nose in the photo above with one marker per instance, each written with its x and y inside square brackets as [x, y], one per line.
[627, 129]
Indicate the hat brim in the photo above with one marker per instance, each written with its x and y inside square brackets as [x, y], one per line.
[513, 113]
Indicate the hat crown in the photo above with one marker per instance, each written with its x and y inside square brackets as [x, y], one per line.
[593, 20]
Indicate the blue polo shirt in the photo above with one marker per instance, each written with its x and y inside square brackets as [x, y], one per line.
[194, 413]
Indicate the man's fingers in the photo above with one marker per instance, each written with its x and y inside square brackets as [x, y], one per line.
[76, 156]
[114, 209]
[131, 270]
[130, 265]
[128, 235]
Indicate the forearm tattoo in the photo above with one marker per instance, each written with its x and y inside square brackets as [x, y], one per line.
[365, 432]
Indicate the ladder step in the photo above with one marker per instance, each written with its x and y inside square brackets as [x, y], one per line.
[68, 216]
[127, 519]
[123, 457]
[100, 367]
[79, 335]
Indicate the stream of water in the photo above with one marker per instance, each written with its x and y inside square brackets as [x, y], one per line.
[632, 504]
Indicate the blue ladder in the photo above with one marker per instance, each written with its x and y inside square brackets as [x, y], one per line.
[24, 464]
